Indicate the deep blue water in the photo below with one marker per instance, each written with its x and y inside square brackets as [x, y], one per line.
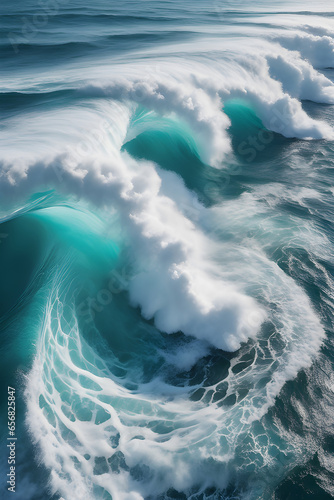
[166, 249]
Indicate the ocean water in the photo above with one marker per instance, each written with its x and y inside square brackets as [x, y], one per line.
[166, 249]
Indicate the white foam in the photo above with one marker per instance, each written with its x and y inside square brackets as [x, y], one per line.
[318, 50]
[178, 284]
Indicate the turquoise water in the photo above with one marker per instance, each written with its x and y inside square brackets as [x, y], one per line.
[166, 249]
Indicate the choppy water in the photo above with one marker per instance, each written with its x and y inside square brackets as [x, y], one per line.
[166, 249]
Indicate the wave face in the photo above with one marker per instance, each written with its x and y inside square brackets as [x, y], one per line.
[166, 248]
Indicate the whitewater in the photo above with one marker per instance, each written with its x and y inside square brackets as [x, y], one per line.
[167, 249]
